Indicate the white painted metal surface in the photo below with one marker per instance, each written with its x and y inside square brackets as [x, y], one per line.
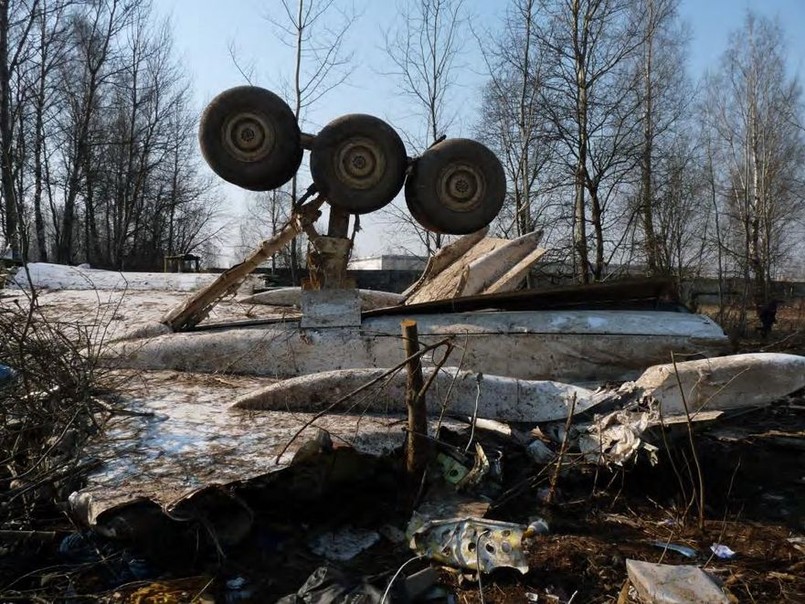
[456, 393]
[732, 382]
[292, 296]
[569, 346]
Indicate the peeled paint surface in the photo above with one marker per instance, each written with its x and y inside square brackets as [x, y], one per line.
[292, 296]
[568, 346]
[500, 398]
[731, 382]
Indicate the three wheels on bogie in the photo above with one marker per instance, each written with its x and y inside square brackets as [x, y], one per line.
[250, 137]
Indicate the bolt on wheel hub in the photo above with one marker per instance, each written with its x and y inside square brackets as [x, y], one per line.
[461, 187]
[360, 163]
[248, 137]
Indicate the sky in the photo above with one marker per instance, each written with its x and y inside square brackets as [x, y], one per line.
[207, 31]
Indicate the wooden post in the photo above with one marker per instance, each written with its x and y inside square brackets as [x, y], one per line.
[417, 441]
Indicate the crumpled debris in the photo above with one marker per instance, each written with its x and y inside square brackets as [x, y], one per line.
[472, 543]
[686, 551]
[328, 585]
[722, 551]
[671, 584]
[343, 544]
[7, 374]
[615, 438]
[540, 452]
[462, 477]
[483, 476]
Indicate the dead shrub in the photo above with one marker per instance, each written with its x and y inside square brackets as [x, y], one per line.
[48, 411]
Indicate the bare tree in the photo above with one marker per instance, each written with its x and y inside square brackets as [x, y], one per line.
[15, 28]
[316, 31]
[753, 109]
[423, 51]
[94, 29]
[587, 97]
[512, 121]
[50, 53]
[267, 213]
[664, 95]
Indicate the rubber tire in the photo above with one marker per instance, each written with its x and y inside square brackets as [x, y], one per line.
[324, 159]
[268, 172]
[426, 203]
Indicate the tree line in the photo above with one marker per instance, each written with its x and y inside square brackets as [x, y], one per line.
[623, 159]
[610, 146]
[97, 137]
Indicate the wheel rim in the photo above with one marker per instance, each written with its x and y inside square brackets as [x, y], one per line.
[248, 137]
[461, 187]
[359, 163]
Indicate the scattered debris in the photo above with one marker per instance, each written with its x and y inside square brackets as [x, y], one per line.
[669, 584]
[343, 544]
[686, 551]
[329, 585]
[616, 437]
[722, 552]
[471, 543]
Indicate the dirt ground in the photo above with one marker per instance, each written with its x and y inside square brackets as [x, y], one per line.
[750, 467]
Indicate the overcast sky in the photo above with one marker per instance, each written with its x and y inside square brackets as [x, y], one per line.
[205, 29]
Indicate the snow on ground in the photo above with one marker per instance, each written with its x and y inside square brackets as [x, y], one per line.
[65, 297]
[60, 276]
[192, 438]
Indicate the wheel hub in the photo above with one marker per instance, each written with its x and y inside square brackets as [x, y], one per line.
[360, 163]
[248, 137]
[461, 187]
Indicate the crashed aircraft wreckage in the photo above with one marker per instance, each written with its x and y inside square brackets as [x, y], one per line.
[358, 164]
[271, 429]
[191, 454]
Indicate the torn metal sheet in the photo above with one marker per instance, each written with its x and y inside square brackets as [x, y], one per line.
[670, 584]
[472, 543]
[457, 393]
[480, 266]
[731, 382]
[573, 346]
[193, 444]
[616, 438]
[516, 275]
[292, 296]
[444, 257]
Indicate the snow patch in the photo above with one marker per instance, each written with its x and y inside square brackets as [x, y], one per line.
[58, 276]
